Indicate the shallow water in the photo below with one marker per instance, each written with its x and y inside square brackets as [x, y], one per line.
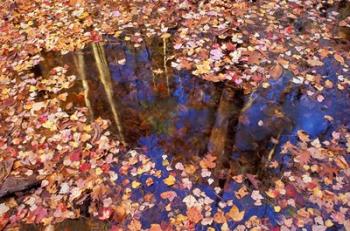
[175, 113]
[163, 111]
[147, 104]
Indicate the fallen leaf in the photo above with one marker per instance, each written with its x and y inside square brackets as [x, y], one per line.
[194, 215]
[276, 71]
[202, 68]
[314, 62]
[219, 217]
[339, 58]
[170, 180]
[235, 214]
[168, 195]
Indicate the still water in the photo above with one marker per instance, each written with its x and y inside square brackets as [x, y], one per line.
[163, 111]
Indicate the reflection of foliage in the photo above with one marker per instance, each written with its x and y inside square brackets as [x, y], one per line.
[160, 118]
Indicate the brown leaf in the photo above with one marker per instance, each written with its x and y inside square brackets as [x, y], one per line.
[5, 168]
[339, 58]
[276, 71]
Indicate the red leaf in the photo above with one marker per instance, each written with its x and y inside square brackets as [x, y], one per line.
[85, 167]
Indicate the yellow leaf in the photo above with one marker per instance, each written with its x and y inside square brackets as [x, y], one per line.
[235, 214]
[32, 88]
[329, 223]
[50, 124]
[277, 209]
[170, 180]
[314, 62]
[190, 169]
[135, 184]
[202, 68]
[83, 15]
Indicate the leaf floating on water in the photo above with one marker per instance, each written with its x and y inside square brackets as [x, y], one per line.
[235, 214]
[339, 58]
[276, 71]
[314, 62]
[303, 136]
[194, 215]
[170, 180]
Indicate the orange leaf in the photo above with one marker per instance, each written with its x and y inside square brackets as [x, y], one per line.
[276, 71]
[155, 227]
[219, 217]
[168, 195]
[339, 59]
[235, 214]
[194, 215]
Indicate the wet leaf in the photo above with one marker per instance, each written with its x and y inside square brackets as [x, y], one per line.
[314, 62]
[276, 71]
[170, 180]
[235, 214]
[194, 215]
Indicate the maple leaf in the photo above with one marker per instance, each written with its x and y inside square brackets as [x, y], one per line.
[242, 192]
[219, 217]
[235, 214]
[119, 212]
[276, 71]
[194, 215]
[170, 180]
[202, 68]
[168, 195]
[303, 157]
[339, 58]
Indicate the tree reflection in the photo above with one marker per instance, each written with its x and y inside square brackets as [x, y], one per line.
[105, 77]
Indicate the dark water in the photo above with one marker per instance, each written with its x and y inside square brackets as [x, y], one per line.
[147, 103]
[160, 110]
[163, 111]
